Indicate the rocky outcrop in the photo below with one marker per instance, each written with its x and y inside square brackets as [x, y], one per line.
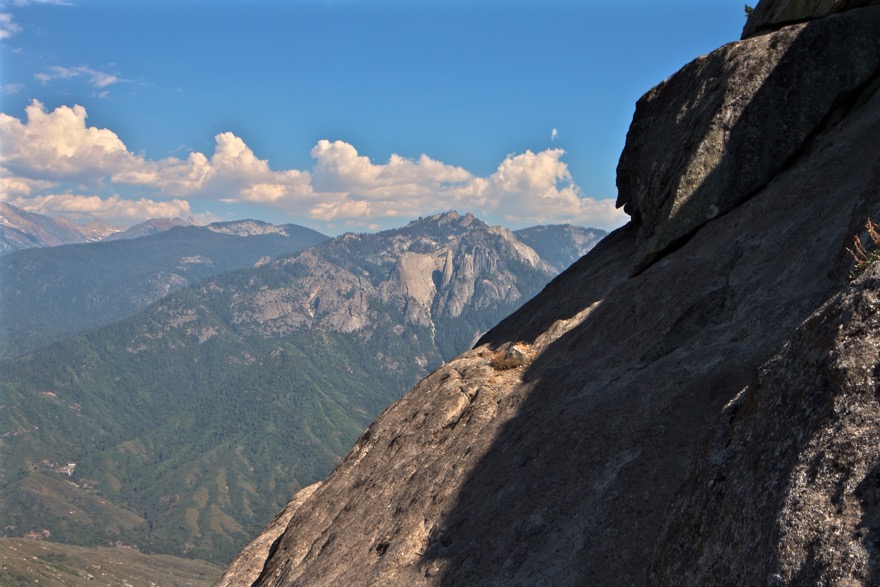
[561, 471]
[247, 228]
[246, 567]
[773, 14]
[738, 116]
[433, 269]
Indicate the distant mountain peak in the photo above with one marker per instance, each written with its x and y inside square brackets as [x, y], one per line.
[20, 229]
[453, 215]
[442, 225]
[247, 228]
[448, 217]
[148, 227]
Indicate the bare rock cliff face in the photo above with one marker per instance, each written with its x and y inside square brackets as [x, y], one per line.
[590, 461]
[787, 489]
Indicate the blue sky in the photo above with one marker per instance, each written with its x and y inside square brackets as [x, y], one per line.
[338, 115]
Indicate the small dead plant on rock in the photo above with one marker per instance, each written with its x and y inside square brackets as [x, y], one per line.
[516, 355]
[862, 255]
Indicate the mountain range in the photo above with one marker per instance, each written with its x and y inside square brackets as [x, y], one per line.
[20, 229]
[49, 293]
[23, 230]
[184, 427]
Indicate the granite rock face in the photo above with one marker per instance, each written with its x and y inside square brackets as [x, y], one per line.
[736, 117]
[787, 490]
[568, 469]
[246, 567]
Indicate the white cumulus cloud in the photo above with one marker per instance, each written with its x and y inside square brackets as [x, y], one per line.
[533, 188]
[527, 188]
[233, 172]
[343, 187]
[339, 168]
[58, 145]
[12, 186]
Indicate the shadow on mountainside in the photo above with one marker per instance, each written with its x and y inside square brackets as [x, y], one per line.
[609, 417]
[783, 489]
